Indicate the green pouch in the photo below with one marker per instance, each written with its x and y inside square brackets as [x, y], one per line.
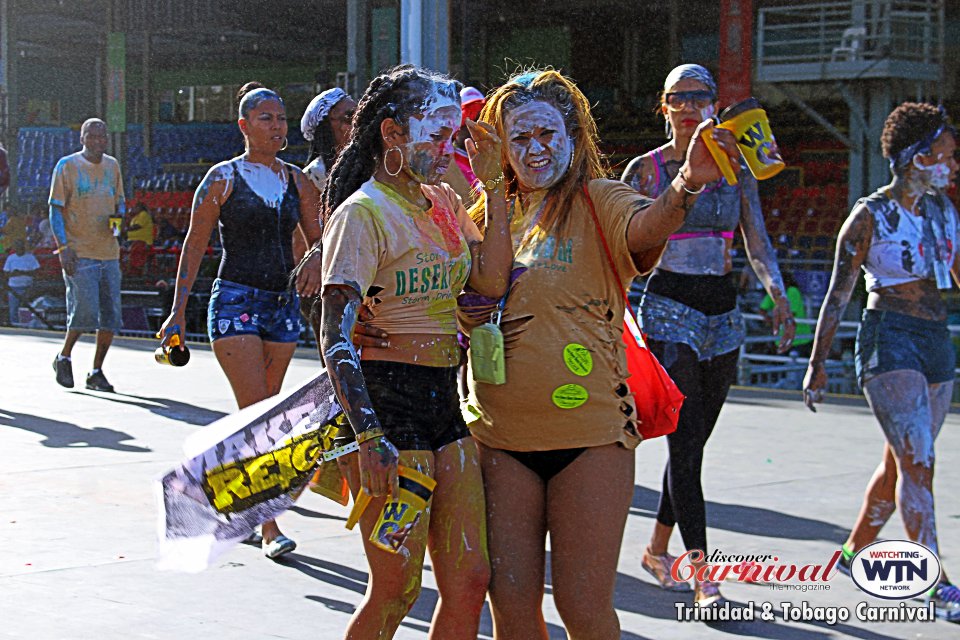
[486, 354]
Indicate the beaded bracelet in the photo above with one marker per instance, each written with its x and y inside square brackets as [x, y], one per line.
[369, 434]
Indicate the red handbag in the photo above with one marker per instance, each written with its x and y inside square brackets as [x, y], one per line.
[656, 394]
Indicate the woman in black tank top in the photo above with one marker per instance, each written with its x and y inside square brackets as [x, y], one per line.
[258, 202]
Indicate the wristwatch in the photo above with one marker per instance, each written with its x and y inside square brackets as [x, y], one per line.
[490, 185]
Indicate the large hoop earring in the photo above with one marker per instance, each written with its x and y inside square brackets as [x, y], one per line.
[392, 174]
[285, 144]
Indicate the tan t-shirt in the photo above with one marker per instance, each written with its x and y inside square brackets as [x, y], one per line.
[563, 326]
[89, 194]
[407, 263]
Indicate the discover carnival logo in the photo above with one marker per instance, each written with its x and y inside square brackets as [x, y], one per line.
[895, 569]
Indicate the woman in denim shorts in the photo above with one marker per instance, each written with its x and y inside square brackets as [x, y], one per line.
[258, 202]
[905, 238]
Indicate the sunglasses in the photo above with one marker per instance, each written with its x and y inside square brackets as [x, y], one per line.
[680, 99]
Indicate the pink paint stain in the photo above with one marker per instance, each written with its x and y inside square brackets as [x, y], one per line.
[445, 221]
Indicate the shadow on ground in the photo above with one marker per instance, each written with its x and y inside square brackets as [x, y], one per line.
[749, 520]
[59, 434]
[171, 409]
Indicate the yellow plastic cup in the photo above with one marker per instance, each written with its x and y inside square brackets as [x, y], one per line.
[399, 514]
[750, 126]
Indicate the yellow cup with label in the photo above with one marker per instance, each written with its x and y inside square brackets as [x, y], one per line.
[750, 126]
[401, 513]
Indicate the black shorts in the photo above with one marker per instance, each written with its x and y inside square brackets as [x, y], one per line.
[418, 407]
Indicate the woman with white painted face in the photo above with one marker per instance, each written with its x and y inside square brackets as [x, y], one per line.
[326, 126]
[557, 439]
[905, 238]
[689, 313]
[257, 201]
[398, 241]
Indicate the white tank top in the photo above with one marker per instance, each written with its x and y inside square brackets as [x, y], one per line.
[907, 247]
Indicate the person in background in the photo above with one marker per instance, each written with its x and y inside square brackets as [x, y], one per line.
[689, 310]
[253, 320]
[803, 339]
[460, 176]
[86, 191]
[139, 233]
[905, 237]
[19, 267]
[326, 126]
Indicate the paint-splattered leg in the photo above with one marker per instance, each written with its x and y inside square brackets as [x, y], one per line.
[516, 529]
[458, 541]
[901, 402]
[587, 506]
[394, 584]
[879, 502]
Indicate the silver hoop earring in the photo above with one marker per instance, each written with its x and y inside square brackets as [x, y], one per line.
[285, 143]
[392, 174]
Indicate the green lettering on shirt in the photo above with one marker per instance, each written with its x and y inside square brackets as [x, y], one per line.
[401, 283]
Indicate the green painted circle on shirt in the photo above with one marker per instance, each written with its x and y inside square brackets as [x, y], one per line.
[578, 359]
[569, 396]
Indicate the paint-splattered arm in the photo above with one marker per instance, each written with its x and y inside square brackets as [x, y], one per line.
[492, 252]
[210, 195]
[68, 257]
[639, 175]
[309, 273]
[763, 259]
[652, 225]
[377, 456]
[852, 246]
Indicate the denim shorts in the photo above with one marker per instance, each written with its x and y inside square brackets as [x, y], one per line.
[888, 341]
[666, 320]
[418, 407]
[93, 296]
[237, 310]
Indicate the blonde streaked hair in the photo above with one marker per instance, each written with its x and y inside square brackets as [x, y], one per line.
[552, 87]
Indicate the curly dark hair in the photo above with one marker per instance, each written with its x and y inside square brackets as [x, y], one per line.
[398, 93]
[907, 124]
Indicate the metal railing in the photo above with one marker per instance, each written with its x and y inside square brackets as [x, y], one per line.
[826, 32]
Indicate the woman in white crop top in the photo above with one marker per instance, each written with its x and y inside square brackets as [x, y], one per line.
[905, 238]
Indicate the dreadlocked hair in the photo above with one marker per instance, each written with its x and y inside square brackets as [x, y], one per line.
[550, 86]
[398, 93]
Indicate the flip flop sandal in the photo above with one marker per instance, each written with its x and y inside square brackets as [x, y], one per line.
[279, 546]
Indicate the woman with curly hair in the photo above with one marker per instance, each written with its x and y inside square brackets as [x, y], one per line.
[399, 241]
[557, 439]
[905, 237]
[689, 312]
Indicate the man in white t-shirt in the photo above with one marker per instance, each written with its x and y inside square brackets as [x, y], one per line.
[19, 267]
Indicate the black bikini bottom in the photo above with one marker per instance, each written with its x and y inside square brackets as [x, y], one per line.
[546, 464]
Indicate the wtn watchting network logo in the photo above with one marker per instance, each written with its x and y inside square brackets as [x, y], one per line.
[895, 569]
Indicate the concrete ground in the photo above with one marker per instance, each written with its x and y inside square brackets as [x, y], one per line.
[78, 516]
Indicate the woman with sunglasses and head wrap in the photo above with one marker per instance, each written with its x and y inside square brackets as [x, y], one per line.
[689, 312]
[905, 238]
[258, 202]
[558, 438]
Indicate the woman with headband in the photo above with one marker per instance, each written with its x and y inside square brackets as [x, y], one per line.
[905, 238]
[689, 312]
[253, 320]
[558, 438]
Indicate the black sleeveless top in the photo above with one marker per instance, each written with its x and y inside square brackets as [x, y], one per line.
[258, 240]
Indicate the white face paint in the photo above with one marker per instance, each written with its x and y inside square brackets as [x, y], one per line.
[937, 175]
[430, 133]
[707, 112]
[539, 149]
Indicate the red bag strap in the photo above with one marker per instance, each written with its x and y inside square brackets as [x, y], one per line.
[603, 239]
